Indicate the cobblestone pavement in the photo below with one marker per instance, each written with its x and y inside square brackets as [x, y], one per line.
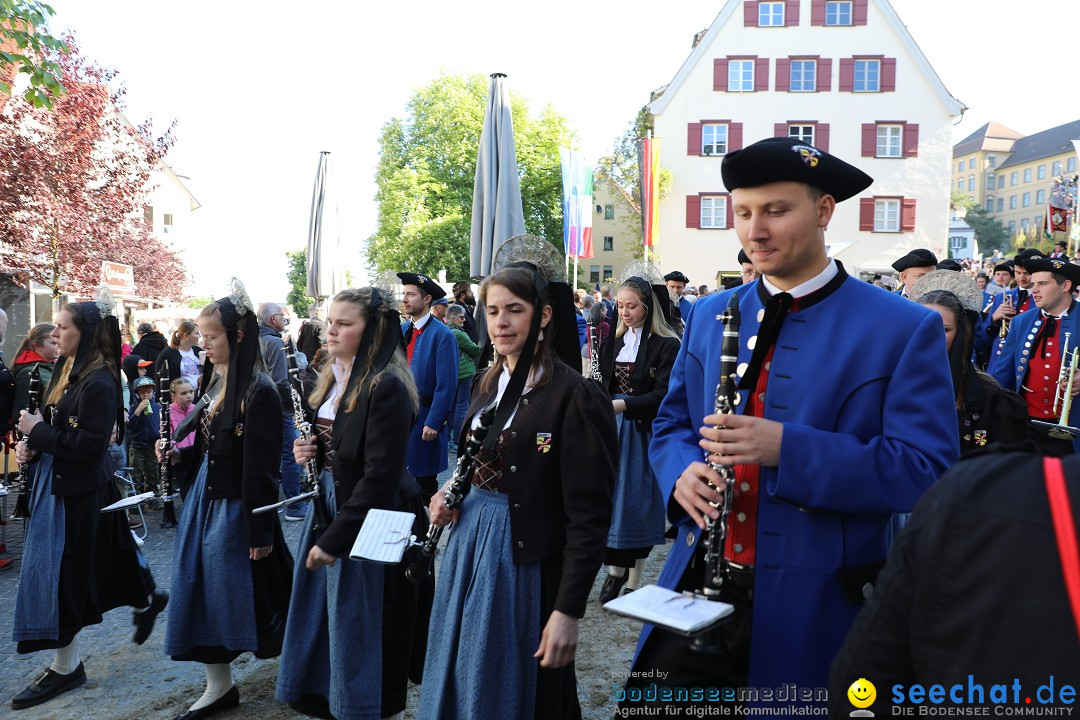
[130, 682]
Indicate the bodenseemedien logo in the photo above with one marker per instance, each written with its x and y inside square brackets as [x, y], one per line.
[862, 694]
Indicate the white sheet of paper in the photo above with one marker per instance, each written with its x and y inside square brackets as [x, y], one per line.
[128, 502]
[669, 609]
[384, 536]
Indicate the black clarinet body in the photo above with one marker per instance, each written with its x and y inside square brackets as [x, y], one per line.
[716, 531]
[168, 515]
[22, 502]
[311, 489]
[420, 570]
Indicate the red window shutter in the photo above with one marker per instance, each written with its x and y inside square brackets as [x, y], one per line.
[734, 137]
[783, 74]
[780, 130]
[761, 74]
[911, 140]
[907, 214]
[821, 139]
[858, 12]
[824, 74]
[847, 74]
[693, 138]
[791, 13]
[888, 75]
[866, 214]
[869, 140]
[729, 215]
[750, 13]
[817, 12]
[693, 211]
[720, 70]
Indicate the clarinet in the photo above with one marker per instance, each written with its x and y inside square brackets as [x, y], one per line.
[303, 428]
[716, 530]
[420, 570]
[168, 515]
[22, 502]
[594, 354]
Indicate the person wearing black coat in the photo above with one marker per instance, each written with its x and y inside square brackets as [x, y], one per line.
[78, 562]
[636, 365]
[232, 572]
[348, 654]
[182, 356]
[151, 342]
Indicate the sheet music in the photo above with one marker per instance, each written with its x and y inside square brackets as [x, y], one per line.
[384, 538]
[681, 613]
[128, 502]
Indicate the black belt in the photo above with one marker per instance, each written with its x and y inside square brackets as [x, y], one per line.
[740, 575]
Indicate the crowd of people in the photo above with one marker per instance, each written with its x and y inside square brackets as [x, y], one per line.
[826, 505]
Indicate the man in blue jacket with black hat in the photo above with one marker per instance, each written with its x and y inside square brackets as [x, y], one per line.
[844, 415]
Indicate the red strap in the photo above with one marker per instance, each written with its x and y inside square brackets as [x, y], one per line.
[1065, 530]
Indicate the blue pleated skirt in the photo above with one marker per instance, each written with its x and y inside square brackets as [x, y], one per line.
[485, 623]
[37, 612]
[333, 637]
[212, 597]
[637, 517]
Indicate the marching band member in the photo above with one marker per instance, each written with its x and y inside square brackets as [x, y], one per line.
[529, 536]
[1009, 304]
[1031, 357]
[913, 266]
[636, 366]
[231, 573]
[78, 562]
[350, 634]
[827, 441]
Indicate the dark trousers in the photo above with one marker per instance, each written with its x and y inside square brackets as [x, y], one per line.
[429, 485]
[1049, 446]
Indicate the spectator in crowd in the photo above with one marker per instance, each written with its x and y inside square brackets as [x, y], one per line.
[7, 383]
[702, 290]
[151, 342]
[144, 431]
[38, 348]
[438, 309]
[463, 296]
[468, 351]
[313, 331]
[183, 357]
[183, 397]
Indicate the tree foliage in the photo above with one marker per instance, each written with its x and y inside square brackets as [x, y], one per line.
[297, 277]
[27, 47]
[427, 167]
[73, 186]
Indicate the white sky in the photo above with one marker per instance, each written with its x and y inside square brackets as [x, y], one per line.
[259, 88]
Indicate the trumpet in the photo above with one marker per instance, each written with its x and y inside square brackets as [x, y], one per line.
[1062, 430]
[1064, 382]
[1007, 301]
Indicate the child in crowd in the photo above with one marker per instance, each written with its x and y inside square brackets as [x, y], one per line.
[183, 398]
[144, 430]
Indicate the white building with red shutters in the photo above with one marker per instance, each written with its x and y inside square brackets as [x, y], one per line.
[845, 76]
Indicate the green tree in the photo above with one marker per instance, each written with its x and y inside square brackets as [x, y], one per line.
[198, 303]
[297, 276]
[24, 45]
[427, 167]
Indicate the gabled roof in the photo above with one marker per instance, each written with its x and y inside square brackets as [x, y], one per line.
[698, 54]
[1047, 143]
[992, 136]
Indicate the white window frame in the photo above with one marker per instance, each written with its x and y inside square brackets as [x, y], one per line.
[1014, 177]
[770, 14]
[1025, 201]
[713, 212]
[971, 163]
[741, 75]
[1027, 175]
[803, 133]
[1012, 202]
[957, 242]
[807, 76]
[714, 139]
[971, 183]
[838, 11]
[887, 215]
[870, 70]
[1040, 197]
[890, 141]
[1041, 172]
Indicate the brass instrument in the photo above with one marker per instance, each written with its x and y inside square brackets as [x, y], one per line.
[1061, 430]
[1007, 301]
[1063, 376]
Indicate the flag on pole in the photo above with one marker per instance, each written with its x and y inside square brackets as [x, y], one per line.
[649, 162]
[577, 179]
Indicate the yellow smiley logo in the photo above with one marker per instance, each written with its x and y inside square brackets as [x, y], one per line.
[862, 693]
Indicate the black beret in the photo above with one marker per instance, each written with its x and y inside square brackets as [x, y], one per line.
[1060, 266]
[785, 159]
[919, 257]
[676, 276]
[1004, 266]
[1061, 244]
[743, 257]
[949, 264]
[426, 284]
[1028, 254]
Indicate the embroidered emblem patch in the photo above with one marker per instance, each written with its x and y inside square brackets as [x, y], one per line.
[238, 431]
[73, 421]
[810, 155]
[980, 438]
[543, 442]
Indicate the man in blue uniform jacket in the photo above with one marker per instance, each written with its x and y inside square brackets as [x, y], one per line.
[433, 358]
[845, 414]
[1009, 304]
[1030, 358]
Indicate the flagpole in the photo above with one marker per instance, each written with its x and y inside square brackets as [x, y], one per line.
[575, 270]
[644, 193]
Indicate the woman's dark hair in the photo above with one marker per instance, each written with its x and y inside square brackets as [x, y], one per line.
[519, 281]
[960, 353]
[183, 329]
[596, 314]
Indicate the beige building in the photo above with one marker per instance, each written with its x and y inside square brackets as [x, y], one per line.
[1010, 174]
[616, 236]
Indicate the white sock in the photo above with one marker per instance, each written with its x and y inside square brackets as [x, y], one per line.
[67, 658]
[634, 581]
[149, 600]
[616, 571]
[218, 682]
[396, 716]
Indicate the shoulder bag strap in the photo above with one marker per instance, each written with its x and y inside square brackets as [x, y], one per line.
[1065, 531]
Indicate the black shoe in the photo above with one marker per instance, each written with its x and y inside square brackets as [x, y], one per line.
[144, 621]
[227, 701]
[313, 706]
[47, 686]
[610, 589]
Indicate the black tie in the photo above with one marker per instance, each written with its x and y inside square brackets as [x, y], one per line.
[1049, 331]
[776, 309]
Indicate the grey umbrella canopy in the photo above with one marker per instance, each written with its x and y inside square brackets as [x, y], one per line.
[325, 265]
[496, 209]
